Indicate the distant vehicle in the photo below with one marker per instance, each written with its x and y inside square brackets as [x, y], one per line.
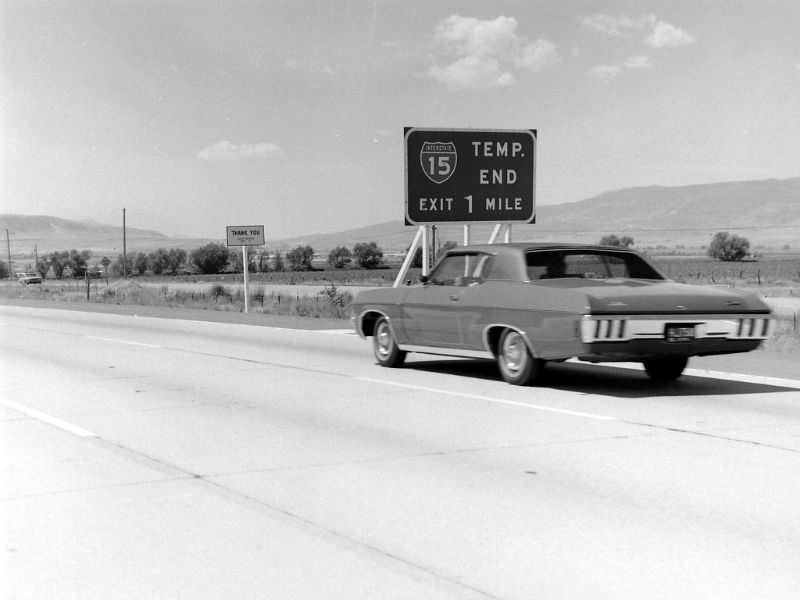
[26, 278]
[525, 304]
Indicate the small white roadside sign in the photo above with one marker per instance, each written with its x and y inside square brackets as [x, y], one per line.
[245, 235]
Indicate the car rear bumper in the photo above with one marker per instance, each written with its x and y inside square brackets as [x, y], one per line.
[638, 350]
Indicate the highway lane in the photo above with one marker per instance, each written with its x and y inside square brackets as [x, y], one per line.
[150, 458]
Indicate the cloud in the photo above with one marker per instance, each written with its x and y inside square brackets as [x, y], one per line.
[638, 62]
[604, 73]
[537, 56]
[608, 73]
[472, 72]
[225, 150]
[659, 34]
[665, 35]
[487, 52]
[615, 26]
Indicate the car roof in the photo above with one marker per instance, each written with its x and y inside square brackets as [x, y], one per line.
[514, 247]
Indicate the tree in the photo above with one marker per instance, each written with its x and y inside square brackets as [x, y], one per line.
[158, 260]
[262, 261]
[140, 263]
[612, 240]
[368, 255]
[277, 262]
[117, 269]
[339, 257]
[105, 261]
[42, 267]
[727, 247]
[78, 261]
[211, 258]
[59, 261]
[300, 258]
[175, 258]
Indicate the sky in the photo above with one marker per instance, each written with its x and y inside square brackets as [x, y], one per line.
[194, 115]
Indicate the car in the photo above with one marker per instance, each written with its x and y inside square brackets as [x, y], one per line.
[26, 278]
[525, 304]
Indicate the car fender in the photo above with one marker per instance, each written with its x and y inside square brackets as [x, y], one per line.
[493, 332]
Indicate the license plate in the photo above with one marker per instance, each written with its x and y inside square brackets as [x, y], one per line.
[680, 333]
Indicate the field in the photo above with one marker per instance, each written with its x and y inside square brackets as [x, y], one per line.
[328, 293]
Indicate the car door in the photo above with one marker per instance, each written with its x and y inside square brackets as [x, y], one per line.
[437, 312]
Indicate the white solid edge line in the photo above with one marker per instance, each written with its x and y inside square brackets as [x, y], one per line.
[551, 409]
[49, 419]
[706, 373]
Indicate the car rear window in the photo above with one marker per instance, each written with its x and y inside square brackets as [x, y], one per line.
[550, 264]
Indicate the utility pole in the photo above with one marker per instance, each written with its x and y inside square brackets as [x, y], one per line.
[36, 257]
[10, 264]
[124, 247]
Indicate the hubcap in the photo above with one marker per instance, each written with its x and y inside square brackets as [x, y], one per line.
[383, 339]
[513, 352]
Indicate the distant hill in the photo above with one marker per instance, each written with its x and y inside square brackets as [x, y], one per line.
[52, 233]
[766, 212]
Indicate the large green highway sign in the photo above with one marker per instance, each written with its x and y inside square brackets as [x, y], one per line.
[470, 176]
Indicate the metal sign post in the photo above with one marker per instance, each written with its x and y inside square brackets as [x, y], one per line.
[245, 236]
[245, 269]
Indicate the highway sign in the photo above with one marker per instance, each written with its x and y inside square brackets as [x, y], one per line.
[245, 235]
[470, 176]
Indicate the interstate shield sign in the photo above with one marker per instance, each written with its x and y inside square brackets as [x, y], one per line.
[438, 160]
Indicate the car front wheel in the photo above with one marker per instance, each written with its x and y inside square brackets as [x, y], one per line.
[385, 346]
[517, 365]
[665, 369]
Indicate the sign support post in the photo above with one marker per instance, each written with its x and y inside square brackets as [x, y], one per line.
[246, 289]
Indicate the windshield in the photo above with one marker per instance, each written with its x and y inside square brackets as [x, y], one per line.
[588, 264]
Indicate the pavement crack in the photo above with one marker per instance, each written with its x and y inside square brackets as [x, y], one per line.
[715, 436]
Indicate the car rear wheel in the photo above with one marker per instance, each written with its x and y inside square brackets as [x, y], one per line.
[665, 369]
[514, 360]
[385, 346]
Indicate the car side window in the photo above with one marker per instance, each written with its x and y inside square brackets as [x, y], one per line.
[460, 270]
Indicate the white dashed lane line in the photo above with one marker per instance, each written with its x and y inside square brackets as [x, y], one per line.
[49, 419]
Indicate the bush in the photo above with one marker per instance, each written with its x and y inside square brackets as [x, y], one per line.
[211, 258]
[368, 256]
[339, 257]
[727, 247]
[300, 258]
[612, 240]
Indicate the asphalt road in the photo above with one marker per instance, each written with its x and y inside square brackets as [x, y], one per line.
[145, 457]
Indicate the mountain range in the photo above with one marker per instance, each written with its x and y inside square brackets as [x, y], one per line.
[766, 212]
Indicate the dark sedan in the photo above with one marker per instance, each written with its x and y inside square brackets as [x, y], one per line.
[524, 304]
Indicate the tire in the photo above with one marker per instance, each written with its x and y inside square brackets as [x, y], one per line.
[665, 369]
[517, 365]
[384, 345]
